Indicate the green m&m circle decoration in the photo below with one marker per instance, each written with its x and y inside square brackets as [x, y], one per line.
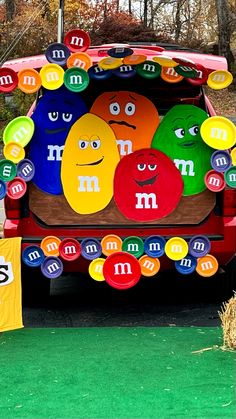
[230, 177]
[148, 69]
[178, 136]
[76, 79]
[133, 245]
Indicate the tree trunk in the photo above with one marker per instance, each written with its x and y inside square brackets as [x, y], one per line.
[145, 12]
[10, 9]
[224, 30]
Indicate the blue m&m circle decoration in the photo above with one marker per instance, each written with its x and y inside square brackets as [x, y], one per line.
[221, 160]
[154, 246]
[33, 256]
[3, 189]
[120, 52]
[26, 170]
[125, 71]
[199, 246]
[187, 265]
[52, 267]
[57, 53]
[91, 249]
[98, 73]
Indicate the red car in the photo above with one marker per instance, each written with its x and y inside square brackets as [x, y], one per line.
[36, 215]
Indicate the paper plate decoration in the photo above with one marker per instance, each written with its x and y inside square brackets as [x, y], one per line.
[201, 77]
[7, 170]
[3, 189]
[77, 40]
[89, 160]
[50, 245]
[16, 188]
[187, 265]
[149, 70]
[170, 76]
[52, 267]
[110, 63]
[178, 136]
[149, 266]
[233, 156]
[53, 117]
[76, 79]
[91, 249]
[52, 76]
[221, 160]
[57, 53]
[69, 249]
[165, 61]
[134, 59]
[14, 151]
[176, 248]
[125, 71]
[133, 245]
[29, 80]
[219, 79]
[26, 170]
[219, 132]
[33, 256]
[121, 270]
[97, 73]
[20, 130]
[120, 52]
[230, 177]
[214, 181]
[154, 246]
[132, 117]
[141, 181]
[207, 266]
[199, 246]
[96, 269]
[111, 244]
[79, 59]
[8, 80]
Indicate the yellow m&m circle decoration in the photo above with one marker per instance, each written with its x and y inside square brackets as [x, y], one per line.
[219, 79]
[96, 269]
[176, 248]
[218, 132]
[52, 76]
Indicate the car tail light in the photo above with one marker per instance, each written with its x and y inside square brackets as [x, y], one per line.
[229, 203]
[12, 208]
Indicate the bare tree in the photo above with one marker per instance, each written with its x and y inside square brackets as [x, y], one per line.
[224, 30]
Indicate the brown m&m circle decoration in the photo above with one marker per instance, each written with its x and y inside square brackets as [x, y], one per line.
[147, 185]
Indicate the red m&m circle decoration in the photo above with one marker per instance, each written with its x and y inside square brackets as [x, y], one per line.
[8, 80]
[77, 40]
[16, 188]
[141, 182]
[215, 181]
[69, 249]
[121, 270]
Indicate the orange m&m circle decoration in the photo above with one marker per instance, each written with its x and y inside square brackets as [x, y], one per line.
[170, 75]
[133, 118]
[149, 266]
[79, 59]
[111, 244]
[50, 245]
[207, 266]
[29, 80]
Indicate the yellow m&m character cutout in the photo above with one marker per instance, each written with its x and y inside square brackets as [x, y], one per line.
[89, 160]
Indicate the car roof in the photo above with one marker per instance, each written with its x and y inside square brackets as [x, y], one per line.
[210, 61]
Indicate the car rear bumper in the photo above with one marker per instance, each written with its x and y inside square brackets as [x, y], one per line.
[223, 243]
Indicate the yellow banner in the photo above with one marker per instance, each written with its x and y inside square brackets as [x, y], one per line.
[10, 284]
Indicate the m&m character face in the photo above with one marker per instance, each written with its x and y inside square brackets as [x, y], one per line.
[132, 117]
[147, 185]
[89, 160]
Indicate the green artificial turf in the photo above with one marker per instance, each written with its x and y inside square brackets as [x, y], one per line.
[116, 373]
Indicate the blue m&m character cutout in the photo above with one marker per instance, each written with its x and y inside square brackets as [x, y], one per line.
[187, 265]
[91, 249]
[154, 246]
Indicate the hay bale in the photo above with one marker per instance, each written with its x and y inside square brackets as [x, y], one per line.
[228, 322]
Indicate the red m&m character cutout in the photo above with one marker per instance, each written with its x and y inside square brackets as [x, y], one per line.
[147, 185]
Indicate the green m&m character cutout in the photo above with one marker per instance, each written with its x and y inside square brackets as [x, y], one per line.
[178, 136]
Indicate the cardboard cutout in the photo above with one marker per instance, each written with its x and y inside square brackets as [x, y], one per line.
[88, 164]
[178, 136]
[53, 117]
[147, 185]
[132, 117]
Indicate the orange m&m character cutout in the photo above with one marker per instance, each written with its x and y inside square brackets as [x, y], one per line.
[133, 118]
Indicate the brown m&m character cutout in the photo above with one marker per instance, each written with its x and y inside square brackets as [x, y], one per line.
[147, 185]
[88, 165]
[133, 118]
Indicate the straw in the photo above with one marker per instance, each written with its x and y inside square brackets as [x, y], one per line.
[228, 322]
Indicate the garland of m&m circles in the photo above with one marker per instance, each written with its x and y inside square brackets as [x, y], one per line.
[121, 263]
